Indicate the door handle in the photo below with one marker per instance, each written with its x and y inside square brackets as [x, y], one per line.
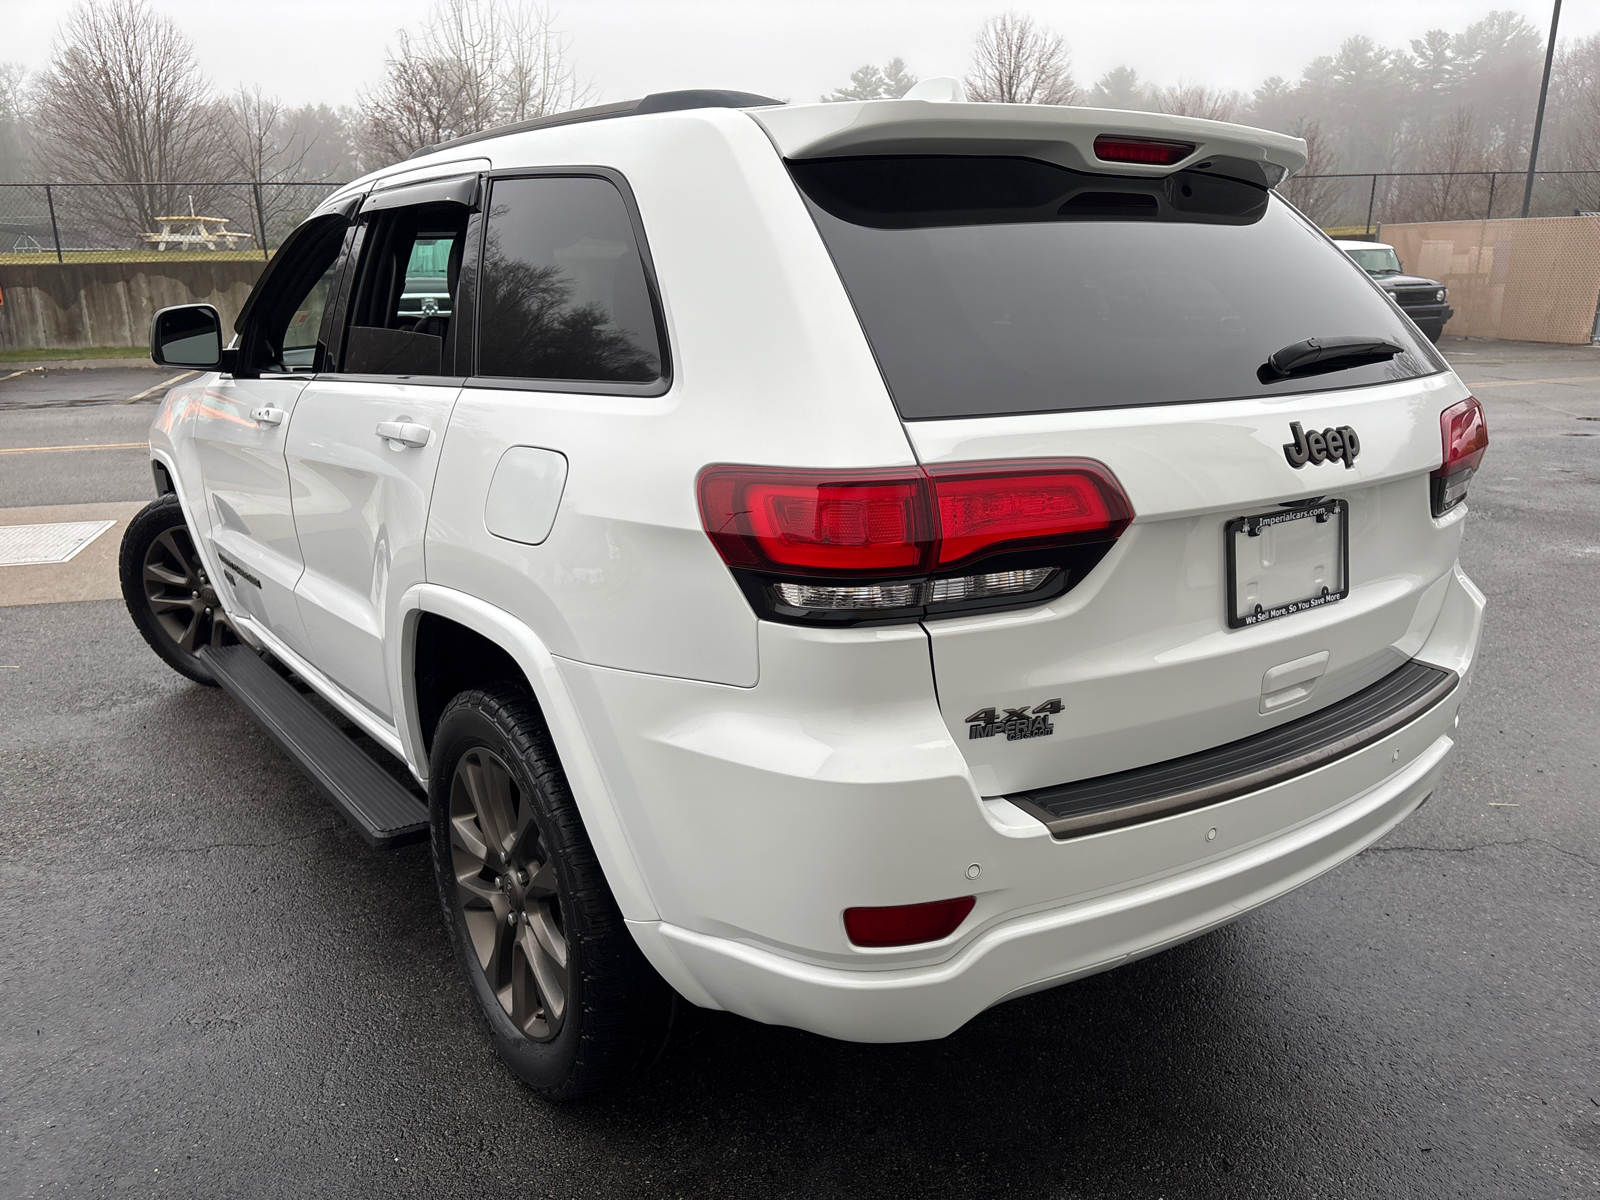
[407, 433]
[267, 415]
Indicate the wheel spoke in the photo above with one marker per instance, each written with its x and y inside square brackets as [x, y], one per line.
[466, 837]
[549, 936]
[163, 604]
[187, 641]
[161, 574]
[474, 885]
[478, 792]
[483, 926]
[542, 882]
[168, 541]
[502, 800]
[550, 976]
[498, 965]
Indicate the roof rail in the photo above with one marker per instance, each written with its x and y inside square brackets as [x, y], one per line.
[654, 103]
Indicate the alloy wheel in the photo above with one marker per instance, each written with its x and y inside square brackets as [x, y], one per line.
[506, 890]
[179, 594]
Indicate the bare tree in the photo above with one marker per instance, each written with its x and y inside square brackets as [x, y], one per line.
[13, 122]
[261, 146]
[1448, 195]
[1196, 100]
[889, 82]
[539, 76]
[1311, 191]
[1016, 61]
[268, 151]
[476, 64]
[1573, 131]
[124, 100]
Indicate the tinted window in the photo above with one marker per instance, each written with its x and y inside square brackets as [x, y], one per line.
[284, 328]
[305, 324]
[994, 285]
[563, 294]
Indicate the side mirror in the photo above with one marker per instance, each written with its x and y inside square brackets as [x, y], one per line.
[187, 335]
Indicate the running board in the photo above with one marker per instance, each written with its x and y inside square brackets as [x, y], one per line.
[379, 806]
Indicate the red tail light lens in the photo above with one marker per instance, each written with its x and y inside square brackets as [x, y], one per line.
[906, 924]
[856, 522]
[1465, 434]
[1020, 504]
[1150, 152]
[900, 543]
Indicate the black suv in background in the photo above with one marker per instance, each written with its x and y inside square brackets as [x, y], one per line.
[1423, 300]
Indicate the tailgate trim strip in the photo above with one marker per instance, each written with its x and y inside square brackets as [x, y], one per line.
[1259, 761]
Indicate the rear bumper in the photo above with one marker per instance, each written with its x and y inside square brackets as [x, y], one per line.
[1040, 950]
[758, 815]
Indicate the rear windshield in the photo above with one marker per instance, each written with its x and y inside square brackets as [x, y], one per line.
[992, 285]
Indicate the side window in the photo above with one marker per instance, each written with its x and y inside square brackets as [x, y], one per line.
[300, 337]
[562, 294]
[285, 322]
[405, 290]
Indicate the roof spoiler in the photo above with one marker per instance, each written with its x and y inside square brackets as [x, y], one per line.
[1059, 134]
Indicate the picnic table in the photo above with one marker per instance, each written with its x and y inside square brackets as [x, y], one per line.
[195, 232]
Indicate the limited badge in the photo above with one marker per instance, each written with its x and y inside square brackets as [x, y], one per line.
[1015, 723]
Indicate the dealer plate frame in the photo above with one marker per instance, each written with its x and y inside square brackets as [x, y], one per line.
[1305, 510]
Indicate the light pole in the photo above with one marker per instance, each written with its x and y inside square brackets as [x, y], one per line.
[1538, 120]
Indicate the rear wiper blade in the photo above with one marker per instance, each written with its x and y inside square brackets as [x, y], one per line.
[1315, 356]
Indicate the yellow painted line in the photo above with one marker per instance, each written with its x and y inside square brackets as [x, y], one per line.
[54, 449]
[1527, 382]
[178, 378]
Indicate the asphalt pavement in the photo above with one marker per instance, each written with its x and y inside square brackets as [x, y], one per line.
[211, 987]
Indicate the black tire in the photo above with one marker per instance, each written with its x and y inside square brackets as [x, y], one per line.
[165, 587]
[613, 1018]
[1432, 330]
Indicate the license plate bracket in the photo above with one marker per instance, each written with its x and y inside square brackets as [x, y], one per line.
[1287, 561]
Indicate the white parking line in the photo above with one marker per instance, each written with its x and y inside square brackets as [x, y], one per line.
[96, 446]
[158, 387]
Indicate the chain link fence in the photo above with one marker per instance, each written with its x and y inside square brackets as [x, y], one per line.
[1357, 205]
[134, 222]
[130, 222]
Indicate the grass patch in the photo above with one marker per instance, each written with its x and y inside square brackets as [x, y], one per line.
[47, 257]
[69, 354]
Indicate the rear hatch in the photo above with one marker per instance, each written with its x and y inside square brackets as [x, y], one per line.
[1024, 309]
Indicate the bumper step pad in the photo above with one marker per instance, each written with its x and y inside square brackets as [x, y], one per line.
[383, 810]
[1248, 765]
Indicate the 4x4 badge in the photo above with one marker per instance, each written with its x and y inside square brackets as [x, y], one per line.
[1018, 723]
[1321, 447]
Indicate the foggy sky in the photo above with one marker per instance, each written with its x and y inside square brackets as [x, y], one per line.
[321, 51]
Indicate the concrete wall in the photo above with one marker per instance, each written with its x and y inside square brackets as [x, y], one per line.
[110, 304]
[1530, 281]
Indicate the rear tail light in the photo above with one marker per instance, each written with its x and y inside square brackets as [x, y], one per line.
[1465, 434]
[906, 924]
[848, 546]
[1150, 152]
[1018, 504]
[815, 522]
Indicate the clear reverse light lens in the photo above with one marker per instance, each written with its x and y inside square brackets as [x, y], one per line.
[874, 595]
[819, 597]
[998, 583]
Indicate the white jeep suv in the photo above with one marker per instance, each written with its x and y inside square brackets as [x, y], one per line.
[845, 564]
